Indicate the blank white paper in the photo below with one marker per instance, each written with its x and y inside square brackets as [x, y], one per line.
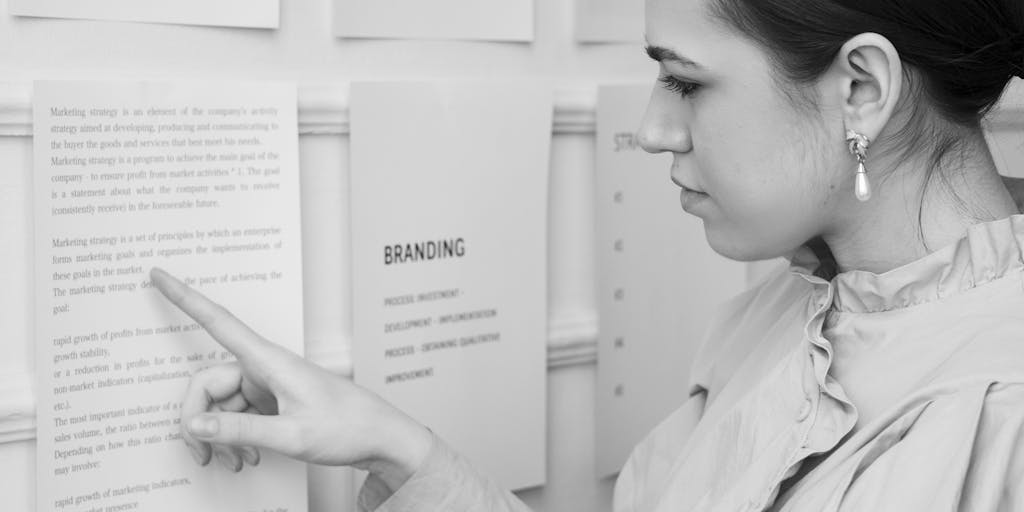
[609, 21]
[488, 20]
[225, 13]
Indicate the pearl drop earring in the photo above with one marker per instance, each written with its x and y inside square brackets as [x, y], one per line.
[858, 145]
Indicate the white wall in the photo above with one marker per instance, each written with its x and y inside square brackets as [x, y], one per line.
[303, 50]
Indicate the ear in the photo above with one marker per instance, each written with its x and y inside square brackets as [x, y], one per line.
[871, 78]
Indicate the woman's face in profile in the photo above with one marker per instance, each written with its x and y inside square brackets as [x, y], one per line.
[772, 171]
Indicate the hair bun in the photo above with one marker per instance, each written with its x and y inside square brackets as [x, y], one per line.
[1017, 54]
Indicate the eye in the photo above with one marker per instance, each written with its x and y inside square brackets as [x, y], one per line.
[682, 87]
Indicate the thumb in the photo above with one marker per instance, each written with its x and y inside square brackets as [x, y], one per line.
[246, 429]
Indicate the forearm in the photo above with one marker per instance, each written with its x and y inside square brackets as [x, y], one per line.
[406, 444]
[445, 480]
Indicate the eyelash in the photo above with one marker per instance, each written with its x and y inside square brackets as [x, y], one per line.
[682, 87]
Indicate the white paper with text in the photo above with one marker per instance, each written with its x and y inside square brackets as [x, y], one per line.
[198, 179]
[658, 281]
[449, 216]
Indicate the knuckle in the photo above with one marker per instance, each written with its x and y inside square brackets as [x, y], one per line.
[296, 439]
[188, 300]
[174, 293]
[202, 376]
[241, 431]
[271, 376]
[211, 316]
[234, 403]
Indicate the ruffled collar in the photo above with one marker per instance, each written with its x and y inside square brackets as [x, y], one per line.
[989, 250]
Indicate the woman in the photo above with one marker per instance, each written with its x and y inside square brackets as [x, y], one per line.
[883, 369]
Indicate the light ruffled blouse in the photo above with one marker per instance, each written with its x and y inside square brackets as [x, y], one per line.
[812, 392]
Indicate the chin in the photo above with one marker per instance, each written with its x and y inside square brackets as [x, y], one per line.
[735, 247]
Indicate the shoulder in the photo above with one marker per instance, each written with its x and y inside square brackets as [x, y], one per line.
[992, 352]
[961, 450]
[749, 311]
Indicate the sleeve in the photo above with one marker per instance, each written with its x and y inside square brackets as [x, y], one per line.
[962, 452]
[445, 480]
[650, 462]
[725, 316]
[995, 480]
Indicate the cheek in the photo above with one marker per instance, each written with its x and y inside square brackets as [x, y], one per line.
[749, 170]
[821, 171]
[769, 189]
[768, 170]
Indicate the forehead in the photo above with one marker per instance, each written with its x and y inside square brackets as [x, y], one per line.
[686, 28]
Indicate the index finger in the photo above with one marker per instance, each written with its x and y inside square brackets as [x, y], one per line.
[223, 326]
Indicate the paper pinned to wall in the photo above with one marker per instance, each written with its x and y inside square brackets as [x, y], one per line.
[658, 281]
[201, 180]
[487, 20]
[225, 13]
[449, 235]
[609, 21]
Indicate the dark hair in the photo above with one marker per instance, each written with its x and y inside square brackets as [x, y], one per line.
[958, 54]
[965, 50]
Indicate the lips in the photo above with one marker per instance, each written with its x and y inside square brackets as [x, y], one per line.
[684, 187]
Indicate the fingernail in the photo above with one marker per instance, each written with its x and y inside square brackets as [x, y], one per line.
[250, 456]
[203, 427]
[226, 461]
[195, 455]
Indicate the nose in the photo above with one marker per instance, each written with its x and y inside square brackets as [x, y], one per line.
[664, 126]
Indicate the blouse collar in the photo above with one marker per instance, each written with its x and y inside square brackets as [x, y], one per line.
[989, 250]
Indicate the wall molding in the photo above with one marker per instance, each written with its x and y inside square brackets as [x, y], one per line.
[17, 408]
[322, 109]
[572, 339]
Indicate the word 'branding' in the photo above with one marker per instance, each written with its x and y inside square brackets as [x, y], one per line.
[419, 251]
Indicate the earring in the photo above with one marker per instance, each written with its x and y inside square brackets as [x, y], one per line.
[858, 145]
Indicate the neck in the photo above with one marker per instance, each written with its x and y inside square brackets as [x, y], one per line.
[884, 233]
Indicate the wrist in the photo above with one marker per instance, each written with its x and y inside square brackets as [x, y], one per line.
[406, 444]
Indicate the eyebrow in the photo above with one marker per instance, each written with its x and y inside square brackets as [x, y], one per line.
[660, 53]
